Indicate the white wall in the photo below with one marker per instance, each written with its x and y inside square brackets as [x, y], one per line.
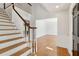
[1, 5]
[18, 21]
[64, 30]
[25, 15]
[51, 26]
[46, 26]
[9, 11]
[24, 6]
[41, 28]
[71, 25]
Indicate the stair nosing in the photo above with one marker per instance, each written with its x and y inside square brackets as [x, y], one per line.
[9, 34]
[11, 39]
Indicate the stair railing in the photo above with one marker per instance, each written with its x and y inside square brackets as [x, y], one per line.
[26, 23]
[5, 7]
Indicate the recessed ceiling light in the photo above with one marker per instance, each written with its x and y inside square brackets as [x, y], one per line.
[57, 6]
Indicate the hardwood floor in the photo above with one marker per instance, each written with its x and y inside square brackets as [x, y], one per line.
[75, 53]
[46, 46]
[62, 51]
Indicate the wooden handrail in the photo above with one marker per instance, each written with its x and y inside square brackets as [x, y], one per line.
[33, 27]
[11, 4]
[29, 4]
[4, 5]
[7, 6]
[19, 14]
[16, 12]
[27, 24]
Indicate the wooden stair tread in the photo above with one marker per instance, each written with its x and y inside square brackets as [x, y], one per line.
[8, 25]
[10, 47]
[21, 51]
[7, 40]
[9, 34]
[9, 29]
[5, 18]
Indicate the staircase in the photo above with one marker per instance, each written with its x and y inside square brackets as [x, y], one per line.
[11, 41]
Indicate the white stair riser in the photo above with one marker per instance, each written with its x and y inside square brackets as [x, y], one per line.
[3, 45]
[3, 23]
[27, 52]
[8, 31]
[10, 52]
[7, 27]
[10, 36]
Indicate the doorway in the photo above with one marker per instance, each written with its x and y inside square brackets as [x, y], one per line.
[46, 37]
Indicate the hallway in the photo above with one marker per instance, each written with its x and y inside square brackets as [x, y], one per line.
[52, 29]
[47, 46]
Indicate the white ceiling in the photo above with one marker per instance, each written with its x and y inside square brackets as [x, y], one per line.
[24, 6]
[51, 7]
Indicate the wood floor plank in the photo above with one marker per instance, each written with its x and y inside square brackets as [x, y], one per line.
[46, 46]
[11, 47]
